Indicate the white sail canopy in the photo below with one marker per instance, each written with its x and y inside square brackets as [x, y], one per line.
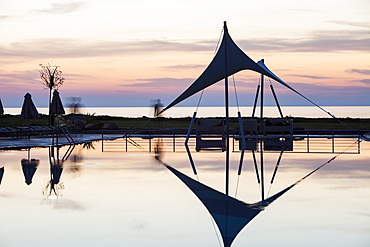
[228, 60]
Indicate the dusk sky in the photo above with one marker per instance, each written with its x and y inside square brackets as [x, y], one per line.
[126, 53]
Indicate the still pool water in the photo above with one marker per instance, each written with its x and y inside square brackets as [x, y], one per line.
[110, 197]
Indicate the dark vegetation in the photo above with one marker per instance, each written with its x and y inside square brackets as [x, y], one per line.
[145, 122]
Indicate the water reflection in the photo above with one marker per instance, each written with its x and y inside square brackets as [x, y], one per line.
[159, 149]
[1, 173]
[76, 158]
[122, 198]
[29, 168]
[230, 214]
[53, 187]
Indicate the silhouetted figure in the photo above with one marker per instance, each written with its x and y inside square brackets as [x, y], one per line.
[158, 108]
[76, 105]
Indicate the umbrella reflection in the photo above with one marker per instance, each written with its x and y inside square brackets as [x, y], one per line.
[1, 174]
[1, 108]
[29, 167]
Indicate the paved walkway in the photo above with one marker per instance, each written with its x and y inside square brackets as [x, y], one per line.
[48, 141]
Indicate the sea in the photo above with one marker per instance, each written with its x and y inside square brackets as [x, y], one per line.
[268, 111]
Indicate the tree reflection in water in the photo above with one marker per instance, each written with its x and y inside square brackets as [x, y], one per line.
[53, 187]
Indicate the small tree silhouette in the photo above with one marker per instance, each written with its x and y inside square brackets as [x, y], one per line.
[51, 78]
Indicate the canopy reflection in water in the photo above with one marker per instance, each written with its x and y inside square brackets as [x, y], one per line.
[230, 214]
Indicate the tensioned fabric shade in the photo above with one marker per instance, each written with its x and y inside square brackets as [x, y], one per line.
[228, 60]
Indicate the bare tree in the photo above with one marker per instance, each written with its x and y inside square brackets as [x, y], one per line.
[52, 79]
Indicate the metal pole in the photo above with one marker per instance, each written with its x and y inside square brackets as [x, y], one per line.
[102, 142]
[276, 101]
[126, 141]
[308, 142]
[186, 143]
[150, 142]
[261, 140]
[174, 142]
[226, 115]
[233, 143]
[261, 104]
[358, 143]
[332, 143]
[255, 100]
[50, 117]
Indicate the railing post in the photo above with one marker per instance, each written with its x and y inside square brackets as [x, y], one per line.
[332, 143]
[102, 142]
[308, 142]
[174, 142]
[358, 143]
[126, 141]
[233, 143]
[150, 142]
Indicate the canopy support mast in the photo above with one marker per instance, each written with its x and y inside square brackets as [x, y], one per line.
[227, 117]
[261, 139]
